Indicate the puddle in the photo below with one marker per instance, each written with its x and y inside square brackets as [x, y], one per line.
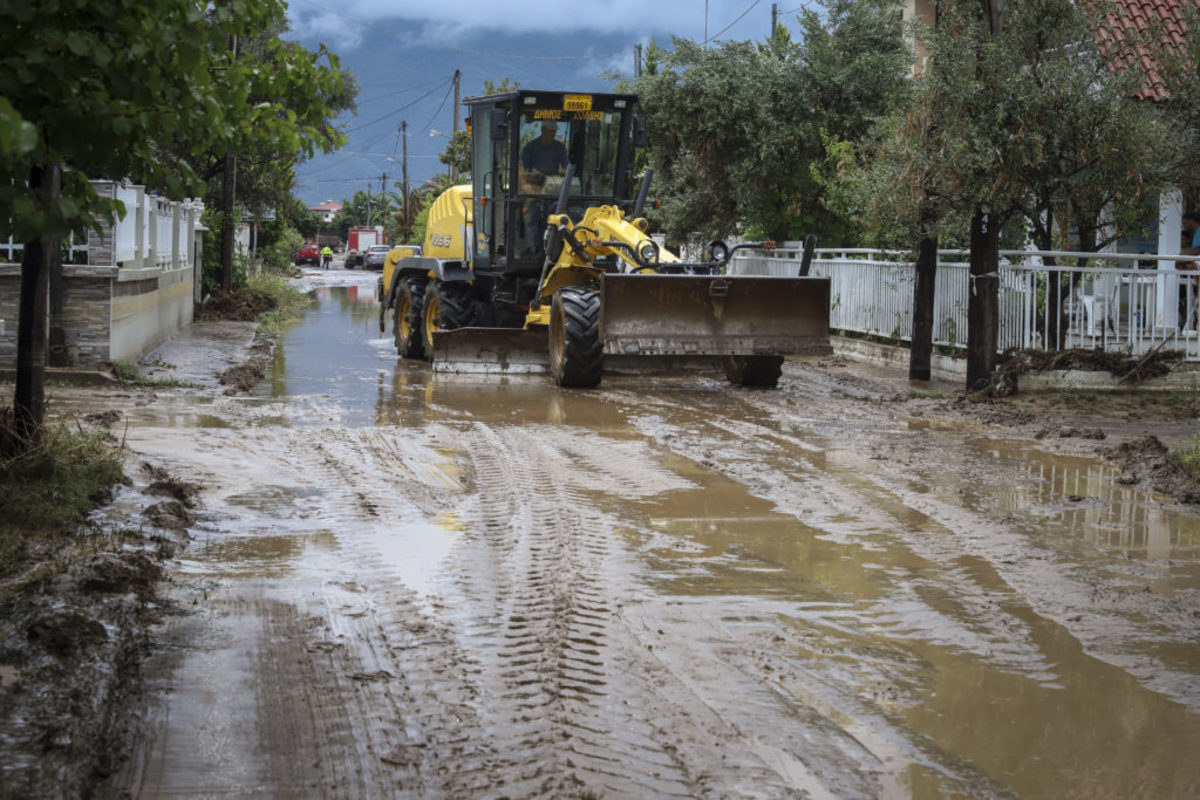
[1045, 714]
[414, 552]
[334, 354]
[1080, 497]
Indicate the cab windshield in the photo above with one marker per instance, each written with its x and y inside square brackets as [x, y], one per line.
[553, 138]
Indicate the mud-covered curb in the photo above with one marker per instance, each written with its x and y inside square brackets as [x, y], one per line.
[242, 378]
[74, 621]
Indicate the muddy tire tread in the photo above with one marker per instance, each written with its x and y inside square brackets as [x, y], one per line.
[581, 365]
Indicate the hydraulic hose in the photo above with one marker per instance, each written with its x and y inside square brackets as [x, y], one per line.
[643, 190]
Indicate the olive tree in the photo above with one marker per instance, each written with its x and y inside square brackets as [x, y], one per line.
[1021, 119]
[736, 129]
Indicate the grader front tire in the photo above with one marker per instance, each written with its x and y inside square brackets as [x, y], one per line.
[576, 351]
[757, 371]
[447, 306]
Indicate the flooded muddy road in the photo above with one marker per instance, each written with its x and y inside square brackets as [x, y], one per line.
[403, 584]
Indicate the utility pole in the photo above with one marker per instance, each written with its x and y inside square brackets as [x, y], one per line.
[637, 60]
[404, 169]
[454, 128]
[774, 20]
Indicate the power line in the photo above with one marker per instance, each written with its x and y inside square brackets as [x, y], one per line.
[735, 22]
[451, 48]
[405, 90]
[398, 110]
[441, 105]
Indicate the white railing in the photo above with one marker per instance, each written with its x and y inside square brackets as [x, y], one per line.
[155, 233]
[126, 235]
[1119, 302]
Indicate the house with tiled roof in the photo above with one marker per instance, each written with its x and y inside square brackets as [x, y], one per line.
[327, 210]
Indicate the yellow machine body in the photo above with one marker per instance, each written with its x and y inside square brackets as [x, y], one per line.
[449, 232]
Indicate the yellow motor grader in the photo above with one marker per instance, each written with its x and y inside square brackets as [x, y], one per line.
[543, 262]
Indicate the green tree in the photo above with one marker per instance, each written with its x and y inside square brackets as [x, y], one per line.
[738, 131]
[457, 155]
[1028, 122]
[103, 89]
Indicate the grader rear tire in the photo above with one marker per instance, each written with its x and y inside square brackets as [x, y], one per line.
[759, 371]
[576, 351]
[406, 323]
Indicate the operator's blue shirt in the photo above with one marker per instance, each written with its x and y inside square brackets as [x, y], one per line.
[547, 159]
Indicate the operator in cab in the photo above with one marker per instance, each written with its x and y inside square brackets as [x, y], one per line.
[540, 158]
[546, 155]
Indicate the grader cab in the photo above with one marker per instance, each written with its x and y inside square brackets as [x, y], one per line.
[544, 263]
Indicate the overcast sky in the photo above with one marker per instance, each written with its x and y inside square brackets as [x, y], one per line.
[403, 55]
[343, 23]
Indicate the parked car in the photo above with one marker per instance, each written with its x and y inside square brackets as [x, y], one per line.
[375, 256]
[308, 254]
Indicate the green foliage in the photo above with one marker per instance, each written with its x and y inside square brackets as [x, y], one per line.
[506, 85]
[1189, 457]
[47, 490]
[1035, 123]
[282, 301]
[457, 154]
[210, 259]
[278, 255]
[736, 130]
[130, 374]
[116, 88]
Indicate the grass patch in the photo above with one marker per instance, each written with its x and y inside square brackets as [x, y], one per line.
[130, 374]
[47, 490]
[928, 394]
[1189, 458]
[268, 298]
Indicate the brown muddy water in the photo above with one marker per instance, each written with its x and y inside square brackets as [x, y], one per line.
[404, 584]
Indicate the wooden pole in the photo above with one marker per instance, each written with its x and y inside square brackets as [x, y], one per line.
[404, 169]
[454, 128]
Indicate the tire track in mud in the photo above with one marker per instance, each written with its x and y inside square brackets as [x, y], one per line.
[359, 691]
[410, 684]
[539, 581]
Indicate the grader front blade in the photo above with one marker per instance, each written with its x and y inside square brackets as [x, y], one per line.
[714, 315]
[656, 323]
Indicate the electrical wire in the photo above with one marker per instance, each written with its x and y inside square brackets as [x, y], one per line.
[401, 108]
[438, 45]
[735, 22]
[441, 105]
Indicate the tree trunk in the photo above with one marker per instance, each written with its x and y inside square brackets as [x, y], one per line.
[983, 318]
[227, 226]
[921, 355]
[29, 397]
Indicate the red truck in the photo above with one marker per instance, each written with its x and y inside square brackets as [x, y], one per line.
[361, 240]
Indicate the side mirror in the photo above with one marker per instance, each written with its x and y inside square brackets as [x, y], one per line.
[499, 124]
[639, 131]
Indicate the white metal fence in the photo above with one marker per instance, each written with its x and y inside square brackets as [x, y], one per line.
[1119, 302]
